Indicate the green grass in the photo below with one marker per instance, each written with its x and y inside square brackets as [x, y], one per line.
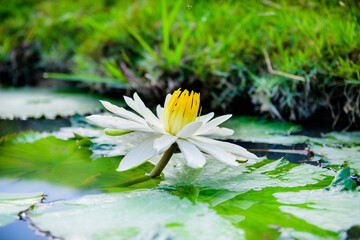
[216, 46]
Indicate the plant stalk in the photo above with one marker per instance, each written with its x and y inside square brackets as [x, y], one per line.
[163, 161]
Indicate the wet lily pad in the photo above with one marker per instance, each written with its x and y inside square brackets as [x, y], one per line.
[330, 210]
[36, 103]
[245, 177]
[136, 215]
[254, 129]
[64, 163]
[11, 204]
[342, 181]
[102, 144]
[339, 155]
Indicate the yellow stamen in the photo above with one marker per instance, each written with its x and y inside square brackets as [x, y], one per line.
[181, 110]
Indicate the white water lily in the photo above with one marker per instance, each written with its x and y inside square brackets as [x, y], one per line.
[177, 124]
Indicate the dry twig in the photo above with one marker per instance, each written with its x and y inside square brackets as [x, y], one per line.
[272, 71]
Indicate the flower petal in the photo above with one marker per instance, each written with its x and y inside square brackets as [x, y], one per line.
[167, 99]
[228, 147]
[131, 103]
[122, 112]
[189, 129]
[212, 124]
[138, 155]
[220, 131]
[194, 157]
[160, 113]
[162, 143]
[146, 112]
[205, 118]
[216, 152]
[118, 123]
[157, 129]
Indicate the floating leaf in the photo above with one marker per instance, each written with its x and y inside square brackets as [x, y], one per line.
[11, 204]
[330, 210]
[65, 163]
[245, 177]
[347, 138]
[132, 214]
[339, 156]
[342, 181]
[254, 129]
[35, 103]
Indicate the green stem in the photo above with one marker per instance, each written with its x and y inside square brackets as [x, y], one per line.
[163, 161]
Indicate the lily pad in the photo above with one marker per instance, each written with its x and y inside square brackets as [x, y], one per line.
[36, 103]
[11, 204]
[135, 215]
[347, 138]
[102, 144]
[330, 210]
[65, 163]
[339, 155]
[342, 181]
[245, 177]
[254, 129]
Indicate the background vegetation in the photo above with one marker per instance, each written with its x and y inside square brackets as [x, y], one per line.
[292, 60]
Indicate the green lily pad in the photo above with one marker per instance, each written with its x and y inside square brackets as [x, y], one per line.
[102, 144]
[244, 194]
[347, 138]
[343, 181]
[11, 204]
[330, 210]
[245, 177]
[24, 137]
[66, 163]
[262, 217]
[339, 155]
[36, 103]
[136, 215]
[254, 129]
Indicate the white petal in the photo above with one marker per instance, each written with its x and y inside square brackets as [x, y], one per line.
[216, 152]
[228, 147]
[220, 131]
[162, 143]
[194, 157]
[205, 118]
[138, 155]
[189, 129]
[160, 113]
[131, 103]
[118, 123]
[157, 129]
[167, 99]
[122, 112]
[212, 124]
[146, 112]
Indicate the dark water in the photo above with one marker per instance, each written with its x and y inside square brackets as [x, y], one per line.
[22, 229]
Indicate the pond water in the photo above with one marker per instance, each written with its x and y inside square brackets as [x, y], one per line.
[78, 176]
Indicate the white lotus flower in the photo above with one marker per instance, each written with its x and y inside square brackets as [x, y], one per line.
[178, 124]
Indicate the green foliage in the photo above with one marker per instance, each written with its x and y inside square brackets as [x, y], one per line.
[214, 44]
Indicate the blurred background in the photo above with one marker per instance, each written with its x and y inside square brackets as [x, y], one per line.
[289, 60]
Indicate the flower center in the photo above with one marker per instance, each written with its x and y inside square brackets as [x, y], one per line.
[181, 110]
